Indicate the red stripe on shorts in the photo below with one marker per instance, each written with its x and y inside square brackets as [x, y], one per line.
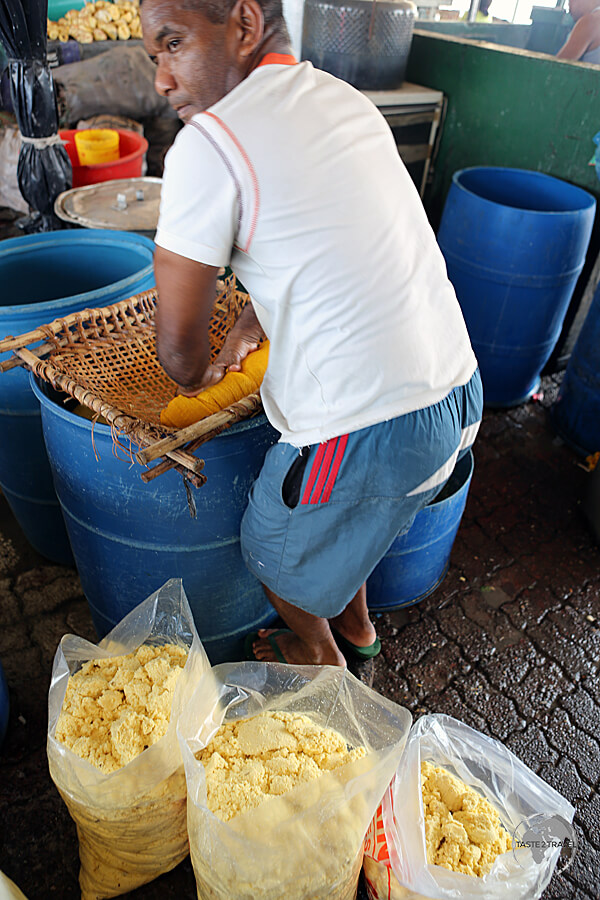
[335, 468]
[313, 473]
[330, 447]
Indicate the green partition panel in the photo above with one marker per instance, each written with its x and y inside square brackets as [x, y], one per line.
[546, 33]
[495, 32]
[508, 107]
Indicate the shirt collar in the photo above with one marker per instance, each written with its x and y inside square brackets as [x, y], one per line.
[277, 59]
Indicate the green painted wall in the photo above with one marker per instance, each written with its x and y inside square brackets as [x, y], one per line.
[508, 107]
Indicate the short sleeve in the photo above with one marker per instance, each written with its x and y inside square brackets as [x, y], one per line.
[198, 203]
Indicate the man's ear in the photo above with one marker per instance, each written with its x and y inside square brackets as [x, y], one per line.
[247, 19]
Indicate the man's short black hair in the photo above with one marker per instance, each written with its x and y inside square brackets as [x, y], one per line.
[218, 10]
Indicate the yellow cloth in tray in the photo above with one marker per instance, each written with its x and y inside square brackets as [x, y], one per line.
[183, 411]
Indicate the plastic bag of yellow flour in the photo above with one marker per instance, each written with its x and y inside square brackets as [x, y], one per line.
[131, 823]
[308, 842]
[535, 817]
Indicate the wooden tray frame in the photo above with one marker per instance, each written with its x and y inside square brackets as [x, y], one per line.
[174, 449]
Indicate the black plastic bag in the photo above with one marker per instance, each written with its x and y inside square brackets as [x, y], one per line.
[44, 168]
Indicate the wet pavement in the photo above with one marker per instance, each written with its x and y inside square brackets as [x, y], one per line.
[509, 643]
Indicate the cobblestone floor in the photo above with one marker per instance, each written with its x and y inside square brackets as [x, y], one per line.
[509, 643]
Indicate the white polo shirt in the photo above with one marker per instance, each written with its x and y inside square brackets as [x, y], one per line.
[294, 180]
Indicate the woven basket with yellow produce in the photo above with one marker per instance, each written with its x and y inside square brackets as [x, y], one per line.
[101, 20]
[106, 359]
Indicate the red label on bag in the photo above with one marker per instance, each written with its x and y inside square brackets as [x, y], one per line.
[375, 842]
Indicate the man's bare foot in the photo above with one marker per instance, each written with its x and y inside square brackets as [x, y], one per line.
[359, 633]
[296, 651]
[353, 623]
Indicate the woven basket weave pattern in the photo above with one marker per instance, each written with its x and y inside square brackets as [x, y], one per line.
[111, 352]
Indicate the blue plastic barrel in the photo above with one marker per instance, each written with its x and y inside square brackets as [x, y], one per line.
[129, 538]
[4, 705]
[576, 413]
[44, 277]
[417, 562]
[514, 242]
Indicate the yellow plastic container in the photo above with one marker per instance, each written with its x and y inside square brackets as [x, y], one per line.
[97, 145]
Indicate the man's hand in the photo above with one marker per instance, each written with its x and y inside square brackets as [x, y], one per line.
[228, 360]
[243, 339]
[235, 349]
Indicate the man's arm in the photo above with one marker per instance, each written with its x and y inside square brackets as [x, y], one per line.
[578, 41]
[186, 292]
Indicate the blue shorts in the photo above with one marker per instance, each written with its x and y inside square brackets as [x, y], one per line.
[320, 519]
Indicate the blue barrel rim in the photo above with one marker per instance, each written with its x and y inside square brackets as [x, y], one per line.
[29, 243]
[37, 386]
[589, 205]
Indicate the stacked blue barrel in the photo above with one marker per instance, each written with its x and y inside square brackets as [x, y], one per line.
[514, 242]
[576, 413]
[128, 538]
[45, 277]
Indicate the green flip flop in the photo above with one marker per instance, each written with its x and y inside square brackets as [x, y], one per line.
[369, 652]
[254, 636]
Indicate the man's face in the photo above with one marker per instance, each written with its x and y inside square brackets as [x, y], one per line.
[194, 68]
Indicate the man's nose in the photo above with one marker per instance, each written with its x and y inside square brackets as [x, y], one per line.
[163, 80]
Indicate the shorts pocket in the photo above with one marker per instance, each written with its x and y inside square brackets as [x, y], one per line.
[292, 483]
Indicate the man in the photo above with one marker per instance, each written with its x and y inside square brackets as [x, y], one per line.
[583, 43]
[293, 177]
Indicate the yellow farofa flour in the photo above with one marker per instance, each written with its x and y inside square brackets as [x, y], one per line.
[121, 849]
[251, 764]
[463, 831]
[115, 708]
[383, 883]
[249, 761]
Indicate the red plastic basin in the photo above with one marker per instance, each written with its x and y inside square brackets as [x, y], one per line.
[132, 147]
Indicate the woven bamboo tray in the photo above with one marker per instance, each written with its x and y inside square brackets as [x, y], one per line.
[106, 359]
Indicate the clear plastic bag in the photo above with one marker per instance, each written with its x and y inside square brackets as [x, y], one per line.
[131, 823]
[305, 844]
[10, 148]
[9, 890]
[396, 867]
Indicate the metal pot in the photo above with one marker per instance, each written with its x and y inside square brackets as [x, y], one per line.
[364, 42]
[122, 204]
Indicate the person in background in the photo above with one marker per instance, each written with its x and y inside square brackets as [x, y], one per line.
[292, 177]
[483, 13]
[583, 43]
